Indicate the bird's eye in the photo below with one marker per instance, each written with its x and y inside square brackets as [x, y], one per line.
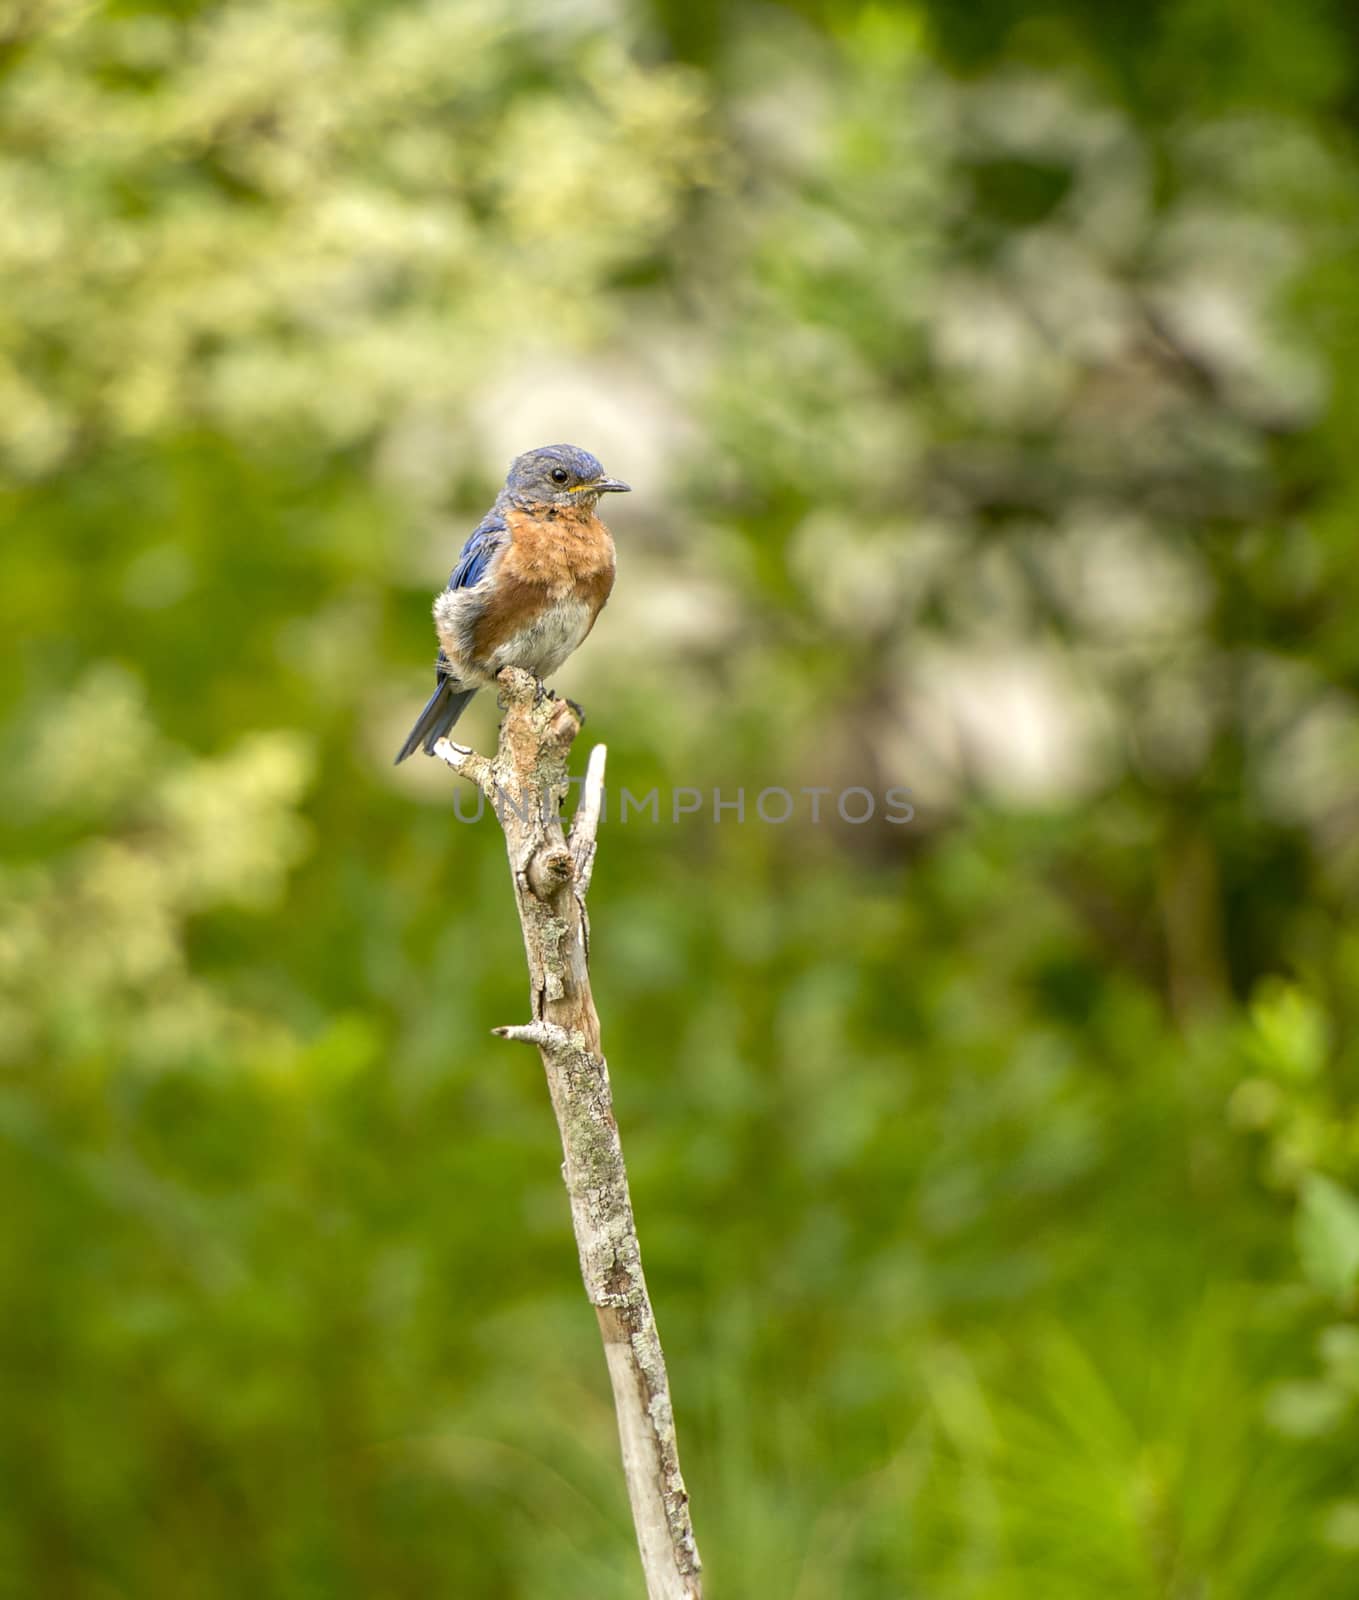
[559, 474]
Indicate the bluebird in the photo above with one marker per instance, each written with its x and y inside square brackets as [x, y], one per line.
[527, 588]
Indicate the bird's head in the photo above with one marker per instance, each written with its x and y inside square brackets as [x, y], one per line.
[559, 474]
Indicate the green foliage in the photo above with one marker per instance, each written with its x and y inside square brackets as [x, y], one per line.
[1328, 1236]
[281, 213]
[989, 384]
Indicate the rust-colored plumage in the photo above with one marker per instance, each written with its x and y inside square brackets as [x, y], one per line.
[528, 586]
[560, 556]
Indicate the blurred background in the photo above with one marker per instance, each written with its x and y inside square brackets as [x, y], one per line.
[989, 379]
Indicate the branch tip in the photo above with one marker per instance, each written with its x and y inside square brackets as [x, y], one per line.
[467, 763]
[586, 824]
[546, 1035]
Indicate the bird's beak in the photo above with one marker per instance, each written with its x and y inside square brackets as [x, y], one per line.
[611, 486]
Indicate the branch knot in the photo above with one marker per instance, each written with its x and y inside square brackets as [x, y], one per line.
[550, 870]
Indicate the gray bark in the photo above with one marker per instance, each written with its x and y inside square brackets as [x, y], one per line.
[526, 783]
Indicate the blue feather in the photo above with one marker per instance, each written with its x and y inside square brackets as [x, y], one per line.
[445, 705]
[482, 543]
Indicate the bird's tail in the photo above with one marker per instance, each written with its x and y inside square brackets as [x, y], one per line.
[441, 712]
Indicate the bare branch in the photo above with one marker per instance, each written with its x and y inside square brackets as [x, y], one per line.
[468, 764]
[528, 781]
[542, 1034]
[586, 824]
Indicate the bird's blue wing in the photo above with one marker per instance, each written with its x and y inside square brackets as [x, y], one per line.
[450, 695]
[483, 542]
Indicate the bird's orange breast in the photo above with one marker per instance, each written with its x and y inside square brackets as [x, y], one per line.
[561, 551]
[548, 559]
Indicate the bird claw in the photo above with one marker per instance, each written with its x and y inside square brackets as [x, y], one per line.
[544, 693]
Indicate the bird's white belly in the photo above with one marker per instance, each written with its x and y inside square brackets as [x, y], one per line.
[541, 647]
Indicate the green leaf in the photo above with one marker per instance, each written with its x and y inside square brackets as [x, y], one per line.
[1290, 1032]
[1339, 1346]
[1328, 1235]
[1305, 1410]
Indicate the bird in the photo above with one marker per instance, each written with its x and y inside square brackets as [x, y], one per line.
[530, 581]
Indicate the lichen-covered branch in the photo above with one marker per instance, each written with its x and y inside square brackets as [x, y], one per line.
[526, 784]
